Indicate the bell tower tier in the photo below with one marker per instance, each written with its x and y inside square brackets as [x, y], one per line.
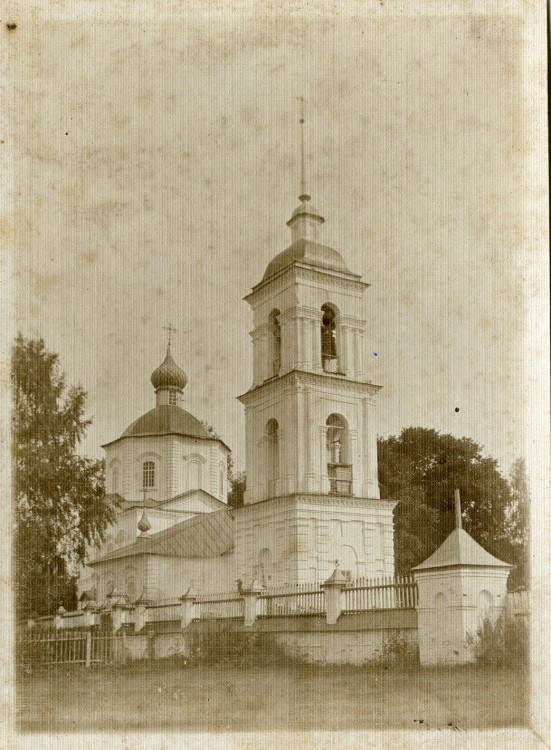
[311, 433]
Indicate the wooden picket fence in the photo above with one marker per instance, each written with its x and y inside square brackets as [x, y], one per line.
[68, 647]
[218, 606]
[390, 592]
[301, 599]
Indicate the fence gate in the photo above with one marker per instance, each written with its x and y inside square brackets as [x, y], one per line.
[68, 647]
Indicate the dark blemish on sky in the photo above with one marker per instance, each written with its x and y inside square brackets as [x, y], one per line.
[375, 354]
[11, 26]
[456, 409]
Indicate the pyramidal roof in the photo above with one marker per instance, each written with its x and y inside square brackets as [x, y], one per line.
[461, 549]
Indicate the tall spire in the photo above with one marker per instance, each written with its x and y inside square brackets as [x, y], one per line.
[306, 219]
[457, 504]
[303, 194]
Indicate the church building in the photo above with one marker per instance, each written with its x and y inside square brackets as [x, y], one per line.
[312, 492]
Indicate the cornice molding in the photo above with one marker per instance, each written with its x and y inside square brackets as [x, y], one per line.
[299, 270]
[293, 501]
[304, 378]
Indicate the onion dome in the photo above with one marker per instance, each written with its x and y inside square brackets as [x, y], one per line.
[169, 375]
[144, 524]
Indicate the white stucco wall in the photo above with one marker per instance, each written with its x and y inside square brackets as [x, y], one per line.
[181, 464]
[453, 604]
[304, 537]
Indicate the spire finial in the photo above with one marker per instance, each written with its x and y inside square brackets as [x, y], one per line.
[458, 522]
[303, 194]
[170, 328]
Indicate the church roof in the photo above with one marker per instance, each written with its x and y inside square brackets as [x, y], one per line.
[207, 535]
[168, 374]
[167, 420]
[311, 253]
[459, 549]
[122, 504]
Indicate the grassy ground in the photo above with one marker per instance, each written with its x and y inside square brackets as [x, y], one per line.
[171, 696]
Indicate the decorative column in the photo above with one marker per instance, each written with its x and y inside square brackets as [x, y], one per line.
[316, 345]
[286, 321]
[325, 483]
[344, 353]
[355, 460]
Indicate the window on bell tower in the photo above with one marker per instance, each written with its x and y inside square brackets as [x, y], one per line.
[328, 338]
[339, 468]
[148, 474]
[172, 398]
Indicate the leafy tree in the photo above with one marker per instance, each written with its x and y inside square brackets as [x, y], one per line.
[60, 503]
[421, 468]
[238, 484]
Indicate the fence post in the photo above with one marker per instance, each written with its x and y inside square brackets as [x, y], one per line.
[250, 597]
[334, 587]
[58, 619]
[186, 610]
[88, 647]
[117, 616]
[140, 617]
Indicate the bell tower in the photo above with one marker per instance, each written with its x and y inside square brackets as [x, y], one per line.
[311, 443]
[310, 412]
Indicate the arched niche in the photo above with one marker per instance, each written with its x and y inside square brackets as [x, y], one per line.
[338, 455]
[329, 337]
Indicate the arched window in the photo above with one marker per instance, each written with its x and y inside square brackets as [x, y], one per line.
[272, 438]
[275, 339]
[339, 468]
[328, 338]
[195, 472]
[172, 398]
[148, 474]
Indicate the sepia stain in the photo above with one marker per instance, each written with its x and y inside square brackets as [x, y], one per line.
[11, 26]
[90, 256]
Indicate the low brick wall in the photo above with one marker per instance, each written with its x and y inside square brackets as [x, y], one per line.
[357, 638]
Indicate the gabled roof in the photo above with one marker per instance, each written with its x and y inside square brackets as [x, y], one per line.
[460, 549]
[123, 504]
[206, 535]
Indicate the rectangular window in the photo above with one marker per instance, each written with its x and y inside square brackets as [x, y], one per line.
[172, 398]
[148, 474]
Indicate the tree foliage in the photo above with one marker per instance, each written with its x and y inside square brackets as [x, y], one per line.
[60, 503]
[238, 485]
[421, 468]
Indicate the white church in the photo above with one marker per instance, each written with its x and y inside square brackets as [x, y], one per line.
[312, 492]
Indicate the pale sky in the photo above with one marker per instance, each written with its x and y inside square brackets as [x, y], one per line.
[159, 168]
